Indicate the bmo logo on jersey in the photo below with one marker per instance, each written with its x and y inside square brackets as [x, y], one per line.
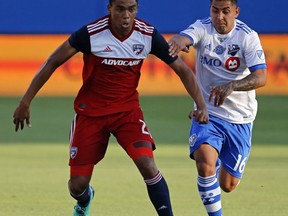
[210, 61]
[232, 64]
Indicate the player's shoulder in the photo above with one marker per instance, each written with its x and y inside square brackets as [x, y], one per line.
[98, 25]
[205, 21]
[205, 24]
[243, 28]
[143, 26]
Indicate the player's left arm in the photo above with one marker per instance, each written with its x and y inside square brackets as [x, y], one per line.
[189, 81]
[253, 81]
[255, 60]
[160, 48]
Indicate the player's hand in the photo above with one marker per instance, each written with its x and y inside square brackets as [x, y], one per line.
[200, 115]
[21, 116]
[177, 44]
[220, 93]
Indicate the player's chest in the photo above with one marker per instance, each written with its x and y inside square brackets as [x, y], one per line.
[106, 45]
[222, 53]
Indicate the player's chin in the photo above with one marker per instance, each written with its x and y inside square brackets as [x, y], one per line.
[126, 25]
[221, 29]
[126, 29]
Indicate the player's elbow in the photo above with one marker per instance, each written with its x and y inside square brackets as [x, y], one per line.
[263, 81]
[262, 78]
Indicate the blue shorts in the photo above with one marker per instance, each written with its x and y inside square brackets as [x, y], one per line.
[232, 141]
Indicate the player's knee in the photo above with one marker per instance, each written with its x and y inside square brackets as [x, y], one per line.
[146, 166]
[205, 169]
[77, 185]
[229, 186]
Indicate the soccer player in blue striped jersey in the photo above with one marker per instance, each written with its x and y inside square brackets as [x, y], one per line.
[230, 65]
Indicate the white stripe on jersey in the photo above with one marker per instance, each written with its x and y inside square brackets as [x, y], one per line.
[72, 130]
[243, 26]
[96, 26]
[143, 27]
[206, 20]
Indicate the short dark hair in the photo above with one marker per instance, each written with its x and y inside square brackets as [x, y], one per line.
[235, 2]
[111, 1]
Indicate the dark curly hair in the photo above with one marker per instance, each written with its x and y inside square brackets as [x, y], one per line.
[111, 1]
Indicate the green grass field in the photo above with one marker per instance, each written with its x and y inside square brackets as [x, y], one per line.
[166, 118]
[34, 182]
[34, 170]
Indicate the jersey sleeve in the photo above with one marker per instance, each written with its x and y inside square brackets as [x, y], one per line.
[80, 40]
[254, 54]
[194, 32]
[160, 48]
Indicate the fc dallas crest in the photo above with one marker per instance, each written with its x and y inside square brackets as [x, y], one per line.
[138, 48]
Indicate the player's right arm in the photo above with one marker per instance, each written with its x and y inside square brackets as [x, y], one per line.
[57, 58]
[178, 43]
[186, 38]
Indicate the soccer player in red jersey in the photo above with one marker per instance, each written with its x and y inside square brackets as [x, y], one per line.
[113, 48]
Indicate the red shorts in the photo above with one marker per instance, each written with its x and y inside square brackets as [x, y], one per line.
[89, 136]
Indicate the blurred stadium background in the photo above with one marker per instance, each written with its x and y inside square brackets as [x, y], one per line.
[31, 30]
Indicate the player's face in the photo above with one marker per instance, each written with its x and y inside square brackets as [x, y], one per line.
[223, 14]
[122, 14]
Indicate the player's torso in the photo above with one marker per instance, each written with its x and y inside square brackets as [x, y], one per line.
[221, 59]
[112, 69]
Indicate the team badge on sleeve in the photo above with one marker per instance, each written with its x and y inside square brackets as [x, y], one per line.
[73, 152]
[138, 48]
[260, 54]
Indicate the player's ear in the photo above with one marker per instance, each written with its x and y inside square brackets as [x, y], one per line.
[237, 11]
[109, 8]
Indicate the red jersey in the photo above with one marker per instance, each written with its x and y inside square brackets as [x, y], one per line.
[111, 70]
